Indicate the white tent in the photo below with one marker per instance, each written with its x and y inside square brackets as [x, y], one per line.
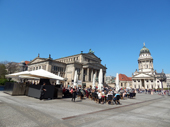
[16, 74]
[28, 77]
[117, 82]
[100, 85]
[37, 74]
[93, 86]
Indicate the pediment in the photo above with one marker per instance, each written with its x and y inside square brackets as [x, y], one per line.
[92, 56]
[141, 75]
[36, 60]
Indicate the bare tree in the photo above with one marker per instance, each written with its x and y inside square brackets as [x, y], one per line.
[12, 67]
[4, 62]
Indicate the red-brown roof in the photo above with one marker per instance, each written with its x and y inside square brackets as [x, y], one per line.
[123, 77]
[27, 62]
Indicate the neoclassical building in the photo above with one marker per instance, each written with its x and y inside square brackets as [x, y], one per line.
[86, 65]
[146, 77]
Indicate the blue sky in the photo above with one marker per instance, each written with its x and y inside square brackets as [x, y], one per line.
[114, 29]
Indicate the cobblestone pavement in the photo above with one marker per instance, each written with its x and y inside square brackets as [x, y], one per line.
[144, 110]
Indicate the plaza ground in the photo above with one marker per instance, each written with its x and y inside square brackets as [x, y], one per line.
[144, 110]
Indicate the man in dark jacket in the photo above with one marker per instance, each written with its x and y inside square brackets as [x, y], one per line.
[43, 90]
[74, 94]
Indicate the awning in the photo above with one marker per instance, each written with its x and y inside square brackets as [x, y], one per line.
[36, 74]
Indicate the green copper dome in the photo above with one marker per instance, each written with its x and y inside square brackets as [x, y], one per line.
[144, 50]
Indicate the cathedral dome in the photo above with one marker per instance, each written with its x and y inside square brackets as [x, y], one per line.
[144, 50]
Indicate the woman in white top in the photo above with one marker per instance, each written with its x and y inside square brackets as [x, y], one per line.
[99, 96]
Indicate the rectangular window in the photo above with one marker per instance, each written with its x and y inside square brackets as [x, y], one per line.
[36, 68]
[39, 67]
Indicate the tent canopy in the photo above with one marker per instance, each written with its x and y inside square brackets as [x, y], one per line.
[36, 74]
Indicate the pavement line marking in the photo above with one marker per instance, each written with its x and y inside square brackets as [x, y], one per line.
[70, 117]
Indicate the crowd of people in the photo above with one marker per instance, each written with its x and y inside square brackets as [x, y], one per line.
[152, 91]
[101, 96]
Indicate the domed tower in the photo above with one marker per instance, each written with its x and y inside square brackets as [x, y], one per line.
[145, 60]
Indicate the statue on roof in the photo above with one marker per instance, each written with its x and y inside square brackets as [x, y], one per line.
[144, 44]
[90, 51]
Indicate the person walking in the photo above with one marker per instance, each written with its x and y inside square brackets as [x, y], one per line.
[43, 91]
[74, 94]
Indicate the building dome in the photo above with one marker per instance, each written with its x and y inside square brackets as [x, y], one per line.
[144, 50]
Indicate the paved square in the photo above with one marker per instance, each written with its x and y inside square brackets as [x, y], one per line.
[145, 110]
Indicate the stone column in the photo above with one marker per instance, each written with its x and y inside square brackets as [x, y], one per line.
[73, 73]
[82, 73]
[145, 84]
[92, 75]
[96, 74]
[46, 67]
[140, 83]
[104, 77]
[87, 79]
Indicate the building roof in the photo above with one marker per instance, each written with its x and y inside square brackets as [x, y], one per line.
[27, 62]
[123, 77]
[144, 50]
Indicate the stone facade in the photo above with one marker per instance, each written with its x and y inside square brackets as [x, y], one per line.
[124, 81]
[86, 65]
[110, 79]
[168, 80]
[146, 77]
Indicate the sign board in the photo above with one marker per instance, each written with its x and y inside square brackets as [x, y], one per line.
[79, 82]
